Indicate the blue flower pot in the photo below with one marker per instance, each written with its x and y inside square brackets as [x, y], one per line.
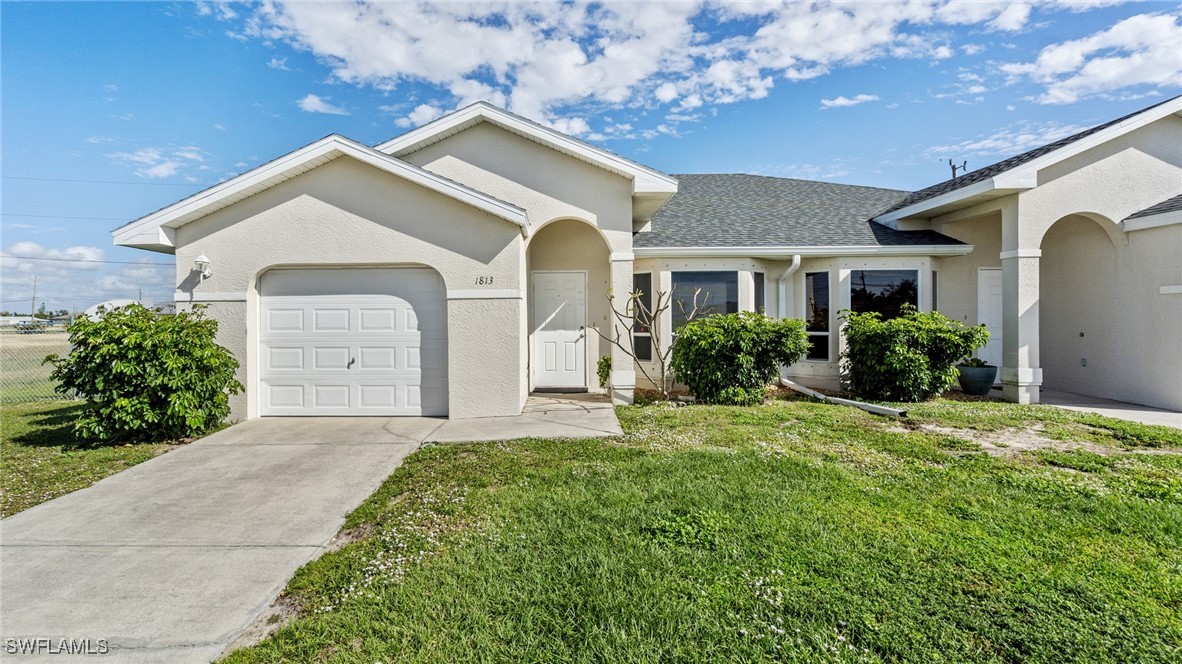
[977, 380]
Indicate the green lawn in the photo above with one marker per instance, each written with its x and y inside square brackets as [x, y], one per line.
[790, 532]
[40, 460]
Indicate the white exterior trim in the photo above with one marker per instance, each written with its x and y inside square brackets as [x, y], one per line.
[1170, 290]
[1021, 253]
[1025, 176]
[152, 231]
[487, 294]
[788, 252]
[621, 256]
[1152, 221]
[644, 180]
[211, 296]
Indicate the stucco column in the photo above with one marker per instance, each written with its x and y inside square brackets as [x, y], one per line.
[623, 370]
[1021, 375]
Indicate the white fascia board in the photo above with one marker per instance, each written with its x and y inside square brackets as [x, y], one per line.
[1152, 221]
[163, 222]
[644, 179]
[975, 189]
[789, 252]
[1025, 176]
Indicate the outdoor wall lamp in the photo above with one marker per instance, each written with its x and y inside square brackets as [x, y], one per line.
[202, 264]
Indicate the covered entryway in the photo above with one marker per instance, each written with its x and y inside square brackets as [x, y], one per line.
[353, 341]
[570, 276]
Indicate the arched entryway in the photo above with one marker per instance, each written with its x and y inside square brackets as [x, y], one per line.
[569, 276]
[1084, 322]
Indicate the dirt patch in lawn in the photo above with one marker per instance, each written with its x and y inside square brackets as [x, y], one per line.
[1012, 441]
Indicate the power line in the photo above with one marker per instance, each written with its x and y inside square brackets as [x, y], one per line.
[61, 216]
[81, 260]
[156, 184]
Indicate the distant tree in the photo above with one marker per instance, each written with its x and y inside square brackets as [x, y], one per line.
[41, 313]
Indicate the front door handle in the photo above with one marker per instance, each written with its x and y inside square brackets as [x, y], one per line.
[351, 361]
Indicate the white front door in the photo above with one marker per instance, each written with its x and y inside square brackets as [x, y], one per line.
[559, 320]
[353, 342]
[989, 294]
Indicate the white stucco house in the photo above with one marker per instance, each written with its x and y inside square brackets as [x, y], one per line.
[454, 269]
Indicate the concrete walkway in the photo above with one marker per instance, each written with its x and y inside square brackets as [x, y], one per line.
[1118, 409]
[169, 560]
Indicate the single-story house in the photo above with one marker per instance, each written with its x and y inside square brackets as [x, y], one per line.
[456, 268]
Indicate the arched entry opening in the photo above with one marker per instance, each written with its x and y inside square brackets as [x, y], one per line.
[1083, 318]
[569, 275]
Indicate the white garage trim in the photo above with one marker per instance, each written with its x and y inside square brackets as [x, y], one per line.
[505, 294]
[352, 341]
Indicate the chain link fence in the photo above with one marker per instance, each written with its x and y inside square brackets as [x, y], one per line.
[22, 376]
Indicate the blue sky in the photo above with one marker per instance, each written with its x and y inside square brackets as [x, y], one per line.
[112, 110]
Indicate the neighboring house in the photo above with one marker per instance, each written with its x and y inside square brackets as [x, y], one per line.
[454, 269]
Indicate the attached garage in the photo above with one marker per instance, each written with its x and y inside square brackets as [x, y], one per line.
[353, 341]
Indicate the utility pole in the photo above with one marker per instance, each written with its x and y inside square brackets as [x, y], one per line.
[140, 296]
[33, 304]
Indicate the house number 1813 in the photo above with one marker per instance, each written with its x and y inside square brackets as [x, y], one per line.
[484, 281]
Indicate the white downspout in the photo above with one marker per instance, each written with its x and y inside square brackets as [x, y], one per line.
[783, 283]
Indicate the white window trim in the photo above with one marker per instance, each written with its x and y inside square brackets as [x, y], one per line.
[803, 303]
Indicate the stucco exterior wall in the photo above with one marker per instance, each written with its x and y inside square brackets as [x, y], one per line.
[345, 213]
[1106, 329]
[548, 184]
[957, 287]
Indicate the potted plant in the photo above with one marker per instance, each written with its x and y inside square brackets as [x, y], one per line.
[976, 377]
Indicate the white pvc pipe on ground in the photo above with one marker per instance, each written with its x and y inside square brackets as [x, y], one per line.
[868, 407]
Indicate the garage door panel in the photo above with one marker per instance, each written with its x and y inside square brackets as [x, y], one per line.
[380, 351]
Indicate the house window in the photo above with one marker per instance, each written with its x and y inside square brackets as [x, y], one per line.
[760, 305]
[642, 340]
[934, 300]
[717, 293]
[884, 291]
[816, 311]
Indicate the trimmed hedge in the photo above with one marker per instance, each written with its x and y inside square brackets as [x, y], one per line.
[146, 376]
[731, 359]
[909, 358]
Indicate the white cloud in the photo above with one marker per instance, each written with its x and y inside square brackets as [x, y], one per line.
[62, 258]
[316, 104]
[278, 63]
[972, 49]
[842, 101]
[1140, 50]
[563, 61]
[155, 163]
[421, 115]
[1005, 142]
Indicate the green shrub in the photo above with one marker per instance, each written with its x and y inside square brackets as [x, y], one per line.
[146, 376]
[604, 370]
[909, 358]
[731, 359]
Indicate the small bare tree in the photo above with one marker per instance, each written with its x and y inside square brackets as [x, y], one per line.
[636, 311]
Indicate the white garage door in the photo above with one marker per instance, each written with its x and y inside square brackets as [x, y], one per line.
[353, 342]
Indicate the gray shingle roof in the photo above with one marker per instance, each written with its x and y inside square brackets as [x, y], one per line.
[1169, 205]
[759, 211]
[1000, 167]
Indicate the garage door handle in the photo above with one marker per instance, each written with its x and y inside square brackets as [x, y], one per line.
[351, 361]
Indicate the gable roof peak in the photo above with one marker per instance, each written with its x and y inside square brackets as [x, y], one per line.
[645, 180]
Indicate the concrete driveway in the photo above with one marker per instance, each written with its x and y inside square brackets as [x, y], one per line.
[169, 560]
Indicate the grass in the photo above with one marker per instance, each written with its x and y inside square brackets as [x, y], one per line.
[40, 459]
[794, 531]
